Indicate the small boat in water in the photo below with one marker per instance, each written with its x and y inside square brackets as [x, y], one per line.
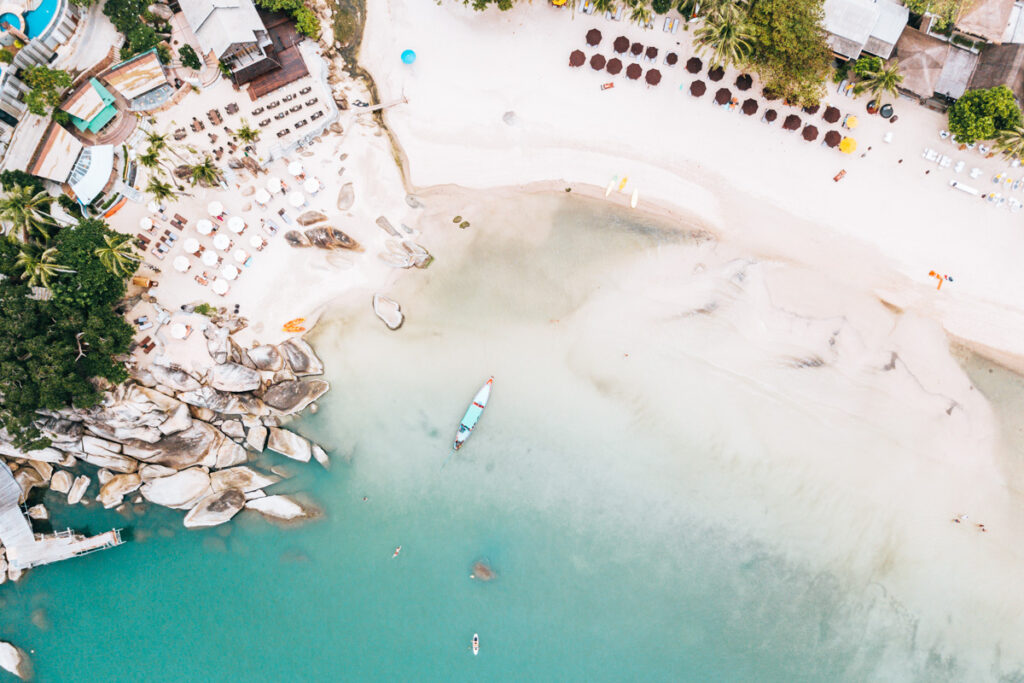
[611, 186]
[634, 199]
[473, 413]
[476, 644]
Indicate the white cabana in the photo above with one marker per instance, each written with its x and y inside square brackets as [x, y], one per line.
[153, 207]
[179, 331]
[241, 255]
[295, 168]
[210, 258]
[261, 196]
[190, 245]
[312, 185]
[236, 224]
[204, 226]
[181, 264]
[297, 199]
[146, 223]
[274, 185]
[215, 208]
[221, 241]
[220, 286]
[257, 242]
[229, 272]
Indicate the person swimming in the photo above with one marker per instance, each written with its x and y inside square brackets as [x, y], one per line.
[397, 550]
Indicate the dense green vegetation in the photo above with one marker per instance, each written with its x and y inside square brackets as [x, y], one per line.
[946, 11]
[189, 58]
[305, 18]
[982, 114]
[46, 85]
[137, 25]
[51, 352]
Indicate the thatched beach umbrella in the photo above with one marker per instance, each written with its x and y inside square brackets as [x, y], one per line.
[597, 62]
[576, 58]
[750, 106]
[810, 133]
[716, 74]
[832, 138]
[770, 116]
[593, 37]
[653, 77]
[636, 49]
[671, 58]
[812, 110]
[697, 88]
[694, 65]
[723, 96]
[652, 52]
[621, 44]
[614, 66]
[744, 82]
[792, 122]
[831, 115]
[634, 71]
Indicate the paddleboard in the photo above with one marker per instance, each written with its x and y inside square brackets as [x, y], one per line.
[611, 186]
[634, 199]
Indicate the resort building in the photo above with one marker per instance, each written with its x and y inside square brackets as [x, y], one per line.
[141, 81]
[90, 107]
[856, 26]
[934, 70]
[232, 32]
[1001, 65]
[987, 19]
[62, 158]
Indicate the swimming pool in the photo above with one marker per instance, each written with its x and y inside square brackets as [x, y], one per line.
[11, 18]
[38, 19]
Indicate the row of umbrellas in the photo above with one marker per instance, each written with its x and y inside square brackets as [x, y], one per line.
[614, 66]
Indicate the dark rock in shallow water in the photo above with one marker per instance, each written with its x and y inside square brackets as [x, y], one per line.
[296, 239]
[331, 238]
[482, 572]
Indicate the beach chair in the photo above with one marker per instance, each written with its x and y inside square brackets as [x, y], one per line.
[945, 161]
[959, 166]
[975, 172]
[668, 25]
[618, 13]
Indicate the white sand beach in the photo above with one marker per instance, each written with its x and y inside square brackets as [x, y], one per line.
[885, 226]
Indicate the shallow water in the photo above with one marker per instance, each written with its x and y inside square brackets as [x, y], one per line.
[615, 485]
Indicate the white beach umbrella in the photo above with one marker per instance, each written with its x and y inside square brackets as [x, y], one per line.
[236, 224]
[229, 272]
[190, 245]
[274, 184]
[297, 199]
[204, 226]
[153, 207]
[261, 196]
[215, 208]
[220, 286]
[256, 242]
[241, 255]
[312, 185]
[179, 331]
[181, 264]
[221, 241]
[210, 258]
[145, 222]
[295, 168]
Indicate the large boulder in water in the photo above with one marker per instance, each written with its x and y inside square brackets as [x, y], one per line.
[294, 395]
[482, 571]
[243, 478]
[310, 218]
[282, 508]
[199, 444]
[296, 239]
[14, 660]
[388, 311]
[113, 492]
[346, 197]
[289, 444]
[215, 509]
[181, 490]
[234, 378]
[327, 237]
[300, 357]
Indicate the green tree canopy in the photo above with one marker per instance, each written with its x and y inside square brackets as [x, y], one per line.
[661, 6]
[46, 88]
[306, 22]
[982, 114]
[8, 179]
[867, 65]
[789, 49]
[189, 58]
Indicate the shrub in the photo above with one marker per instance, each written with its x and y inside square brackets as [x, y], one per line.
[661, 6]
[981, 114]
[189, 58]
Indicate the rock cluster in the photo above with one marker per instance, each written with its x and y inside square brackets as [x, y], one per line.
[183, 437]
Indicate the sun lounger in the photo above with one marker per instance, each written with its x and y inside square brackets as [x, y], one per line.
[930, 154]
[975, 172]
[945, 161]
[675, 25]
[668, 25]
[959, 166]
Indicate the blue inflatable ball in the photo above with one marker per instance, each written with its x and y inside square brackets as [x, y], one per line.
[408, 57]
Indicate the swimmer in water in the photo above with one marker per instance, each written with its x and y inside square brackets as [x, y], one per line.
[397, 550]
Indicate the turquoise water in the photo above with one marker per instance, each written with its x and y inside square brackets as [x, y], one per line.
[12, 19]
[38, 19]
[594, 509]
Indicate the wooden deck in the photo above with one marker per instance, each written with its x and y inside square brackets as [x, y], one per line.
[292, 69]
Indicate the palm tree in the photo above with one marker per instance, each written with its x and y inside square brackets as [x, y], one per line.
[205, 172]
[117, 255]
[1011, 142]
[157, 141]
[160, 190]
[885, 81]
[22, 211]
[38, 266]
[247, 134]
[725, 35]
[640, 12]
[151, 160]
[602, 6]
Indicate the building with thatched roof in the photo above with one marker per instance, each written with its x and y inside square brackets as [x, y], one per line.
[872, 26]
[986, 19]
[933, 66]
[1001, 65]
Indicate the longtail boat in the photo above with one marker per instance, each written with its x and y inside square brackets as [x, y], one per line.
[473, 413]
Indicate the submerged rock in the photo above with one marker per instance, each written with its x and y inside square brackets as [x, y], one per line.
[346, 197]
[326, 237]
[320, 455]
[385, 225]
[388, 311]
[243, 478]
[282, 508]
[482, 572]
[215, 509]
[296, 239]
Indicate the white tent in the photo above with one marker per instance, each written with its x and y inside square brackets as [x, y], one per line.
[210, 258]
[274, 185]
[145, 222]
[241, 255]
[179, 331]
[220, 286]
[312, 185]
[215, 208]
[229, 272]
[297, 199]
[181, 264]
[257, 242]
[204, 226]
[190, 245]
[221, 241]
[236, 224]
[261, 196]
[153, 207]
[295, 168]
